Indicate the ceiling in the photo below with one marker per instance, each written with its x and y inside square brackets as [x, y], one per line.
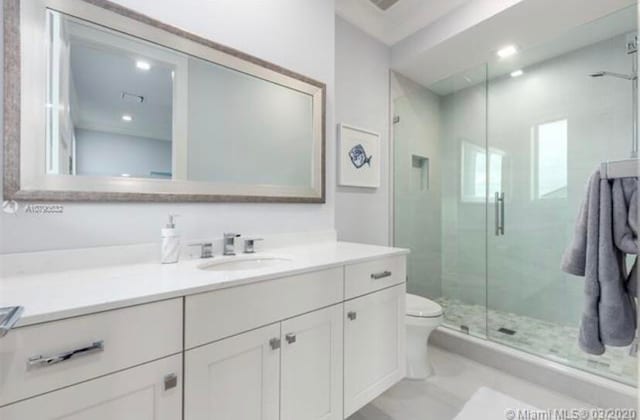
[613, 25]
[399, 21]
[432, 40]
[428, 56]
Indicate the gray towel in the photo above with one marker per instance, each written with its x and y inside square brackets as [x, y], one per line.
[625, 224]
[609, 311]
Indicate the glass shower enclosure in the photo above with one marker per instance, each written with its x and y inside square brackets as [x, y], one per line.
[490, 168]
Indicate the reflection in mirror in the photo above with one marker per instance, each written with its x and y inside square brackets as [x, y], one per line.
[123, 118]
[222, 147]
[110, 102]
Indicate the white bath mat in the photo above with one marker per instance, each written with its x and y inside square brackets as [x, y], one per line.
[488, 404]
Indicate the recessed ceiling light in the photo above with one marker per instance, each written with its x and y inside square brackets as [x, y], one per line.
[507, 51]
[127, 118]
[143, 65]
[517, 73]
[125, 175]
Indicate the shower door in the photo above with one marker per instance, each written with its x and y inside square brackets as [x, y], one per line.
[439, 136]
[548, 129]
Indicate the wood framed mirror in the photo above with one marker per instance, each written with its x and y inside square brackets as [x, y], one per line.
[105, 104]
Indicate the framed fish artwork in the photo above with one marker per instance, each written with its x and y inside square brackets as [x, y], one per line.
[358, 157]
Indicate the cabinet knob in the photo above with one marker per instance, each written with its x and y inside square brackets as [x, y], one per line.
[275, 343]
[170, 381]
[352, 315]
[291, 338]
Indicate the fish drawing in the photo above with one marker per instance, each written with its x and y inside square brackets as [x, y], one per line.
[358, 156]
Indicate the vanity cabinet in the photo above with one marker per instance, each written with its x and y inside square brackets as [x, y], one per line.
[152, 391]
[315, 345]
[374, 346]
[290, 370]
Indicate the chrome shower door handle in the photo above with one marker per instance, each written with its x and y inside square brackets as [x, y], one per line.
[499, 213]
[502, 214]
[496, 208]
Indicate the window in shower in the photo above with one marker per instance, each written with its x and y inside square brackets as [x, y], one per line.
[550, 154]
[474, 172]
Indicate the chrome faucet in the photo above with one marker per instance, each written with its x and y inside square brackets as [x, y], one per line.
[229, 243]
[249, 245]
[206, 249]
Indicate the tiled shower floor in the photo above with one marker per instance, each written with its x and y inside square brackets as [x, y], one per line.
[556, 342]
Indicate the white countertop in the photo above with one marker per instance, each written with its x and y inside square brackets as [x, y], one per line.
[51, 296]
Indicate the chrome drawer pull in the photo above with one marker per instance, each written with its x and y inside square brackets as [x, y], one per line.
[8, 318]
[43, 361]
[378, 276]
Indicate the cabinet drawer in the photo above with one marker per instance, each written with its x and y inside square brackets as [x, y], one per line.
[40, 358]
[215, 315]
[370, 276]
[144, 392]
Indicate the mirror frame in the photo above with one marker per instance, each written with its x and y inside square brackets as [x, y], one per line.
[24, 132]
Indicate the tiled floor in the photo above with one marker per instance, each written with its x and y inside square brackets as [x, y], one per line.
[555, 342]
[456, 379]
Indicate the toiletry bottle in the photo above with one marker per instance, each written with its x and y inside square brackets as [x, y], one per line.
[170, 247]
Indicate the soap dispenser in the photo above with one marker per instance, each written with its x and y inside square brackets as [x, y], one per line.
[170, 248]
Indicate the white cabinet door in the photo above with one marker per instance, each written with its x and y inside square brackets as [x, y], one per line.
[236, 378]
[146, 392]
[312, 366]
[374, 346]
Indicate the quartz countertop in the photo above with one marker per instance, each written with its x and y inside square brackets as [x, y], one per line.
[57, 295]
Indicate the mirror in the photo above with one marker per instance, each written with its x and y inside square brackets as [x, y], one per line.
[132, 109]
[109, 102]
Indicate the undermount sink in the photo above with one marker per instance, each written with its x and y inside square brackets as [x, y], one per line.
[244, 263]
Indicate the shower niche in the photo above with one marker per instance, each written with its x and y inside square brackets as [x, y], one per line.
[419, 173]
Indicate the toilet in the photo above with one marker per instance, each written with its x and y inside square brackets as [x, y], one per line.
[421, 317]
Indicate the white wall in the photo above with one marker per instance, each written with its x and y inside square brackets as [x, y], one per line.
[362, 100]
[110, 154]
[296, 34]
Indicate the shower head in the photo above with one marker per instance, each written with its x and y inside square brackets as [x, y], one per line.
[613, 74]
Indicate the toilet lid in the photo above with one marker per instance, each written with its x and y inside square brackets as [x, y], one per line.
[422, 307]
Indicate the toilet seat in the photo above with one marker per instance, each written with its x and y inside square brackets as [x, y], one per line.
[420, 307]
